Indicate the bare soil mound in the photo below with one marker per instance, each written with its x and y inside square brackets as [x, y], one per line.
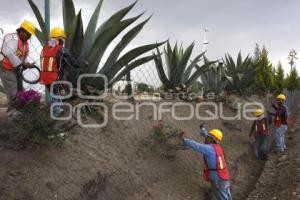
[113, 163]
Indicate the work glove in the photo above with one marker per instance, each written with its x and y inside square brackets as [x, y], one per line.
[181, 134]
[27, 65]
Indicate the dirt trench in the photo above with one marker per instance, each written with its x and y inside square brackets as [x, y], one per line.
[280, 178]
[113, 164]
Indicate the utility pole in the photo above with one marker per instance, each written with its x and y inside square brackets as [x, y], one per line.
[292, 57]
[205, 41]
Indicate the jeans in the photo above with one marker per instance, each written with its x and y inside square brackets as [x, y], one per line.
[57, 108]
[220, 190]
[280, 138]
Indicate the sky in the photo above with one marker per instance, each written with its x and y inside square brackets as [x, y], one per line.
[234, 25]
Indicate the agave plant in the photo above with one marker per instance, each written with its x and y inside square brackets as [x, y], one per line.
[2, 88]
[240, 74]
[215, 79]
[180, 70]
[89, 45]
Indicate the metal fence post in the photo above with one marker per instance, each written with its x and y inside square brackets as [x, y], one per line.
[47, 22]
[129, 88]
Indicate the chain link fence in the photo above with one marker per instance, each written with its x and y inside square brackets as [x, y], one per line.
[142, 79]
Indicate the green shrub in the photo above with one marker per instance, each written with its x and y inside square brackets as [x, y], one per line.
[40, 128]
[164, 141]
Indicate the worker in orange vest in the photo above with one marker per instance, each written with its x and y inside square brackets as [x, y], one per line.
[260, 131]
[55, 60]
[215, 170]
[14, 53]
[280, 122]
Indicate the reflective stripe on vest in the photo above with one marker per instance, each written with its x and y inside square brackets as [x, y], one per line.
[22, 52]
[49, 67]
[220, 162]
[221, 167]
[260, 126]
[279, 120]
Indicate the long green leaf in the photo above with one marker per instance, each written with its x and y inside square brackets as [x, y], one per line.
[41, 37]
[2, 89]
[132, 66]
[189, 69]
[168, 58]
[131, 55]
[68, 14]
[127, 38]
[160, 70]
[175, 59]
[198, 72]
[40, 20]
[180, 68]
[75, 36]
[102, 42]
[89, 35]
[115, 18]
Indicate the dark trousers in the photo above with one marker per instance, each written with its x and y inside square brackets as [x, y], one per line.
[261, 146]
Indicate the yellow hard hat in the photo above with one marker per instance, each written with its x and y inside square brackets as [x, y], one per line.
[28, 26]
[281, 97]
[259, 112]
[217, 134]
[57, 32]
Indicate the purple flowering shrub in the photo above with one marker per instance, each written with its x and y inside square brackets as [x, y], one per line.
[28, 101]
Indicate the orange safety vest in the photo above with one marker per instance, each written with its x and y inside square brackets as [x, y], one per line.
[49, 68]
[261, 127]
[22, 52]
[221, 165]
[278, 120]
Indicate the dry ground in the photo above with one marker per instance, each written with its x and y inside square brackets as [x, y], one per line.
[113, 164]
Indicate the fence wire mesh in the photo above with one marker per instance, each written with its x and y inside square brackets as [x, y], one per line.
[143, 78]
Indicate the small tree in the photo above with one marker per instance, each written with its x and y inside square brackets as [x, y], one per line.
[143, 87]
[264, 77]
[293, 80]
[279, 78]
[256, 54]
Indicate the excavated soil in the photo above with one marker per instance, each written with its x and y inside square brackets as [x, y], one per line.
[280, 179]
[113, 163]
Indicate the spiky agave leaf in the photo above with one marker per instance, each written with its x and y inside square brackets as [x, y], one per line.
[240, 74]
[200, 70]
[179, 66]
[184, 57]
[126, 39]
[128, 57]
[75, 35]
[41, 34]
[193, 64]
[92, 44]
[115, 18]
[68, 14]
[214, 80]
[160, 70]
[89, 35]
[2, 88]
[103, 41]
[132, 66]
